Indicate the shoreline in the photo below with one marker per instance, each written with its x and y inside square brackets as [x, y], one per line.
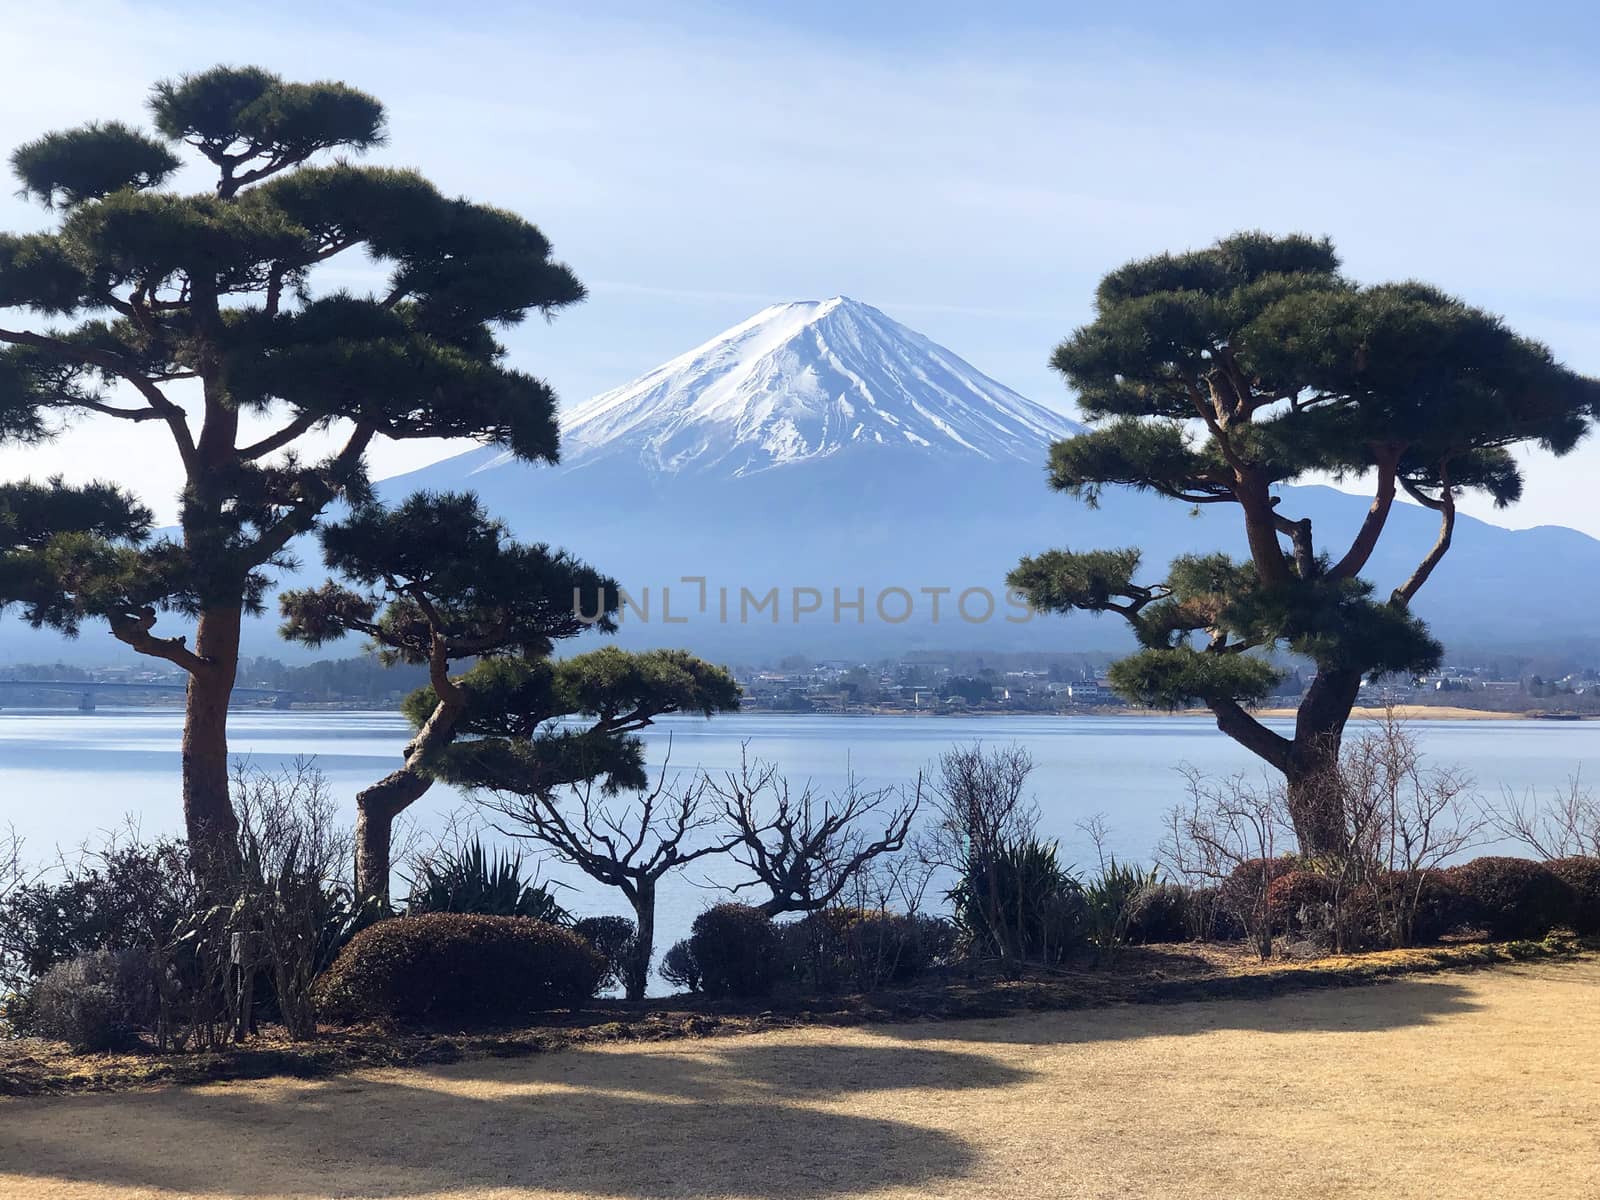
[1405, 712]
[1410, 712]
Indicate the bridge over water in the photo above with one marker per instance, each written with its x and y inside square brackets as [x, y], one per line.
[87, 690]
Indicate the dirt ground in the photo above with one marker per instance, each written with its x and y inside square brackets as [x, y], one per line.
[1465, 1084]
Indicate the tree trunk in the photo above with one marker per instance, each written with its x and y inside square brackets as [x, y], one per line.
[376, 809]
[212, 826]
[1316, 801]
[378, 806]
[644, 942]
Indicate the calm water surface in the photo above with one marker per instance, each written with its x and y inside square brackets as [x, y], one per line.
[65, 775]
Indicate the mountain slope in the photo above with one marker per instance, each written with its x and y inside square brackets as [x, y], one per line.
[825, 446]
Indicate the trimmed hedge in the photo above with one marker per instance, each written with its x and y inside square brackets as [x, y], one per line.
[448, 967]
[1245, 895]
[614, 939]
[861, 948]
[1582, 876]
[1513, 897]
[736, 949]
[1162, 913]
[679, 968]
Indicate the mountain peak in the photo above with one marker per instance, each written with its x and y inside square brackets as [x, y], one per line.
[805, 380]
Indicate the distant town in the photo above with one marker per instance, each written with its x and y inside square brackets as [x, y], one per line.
[920, 683]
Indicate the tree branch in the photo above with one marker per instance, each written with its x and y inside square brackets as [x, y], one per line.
[125, 414]
[123, 369]
[1366, 539]
[1250, 733]
[301, 425]
[134, 628]
[1446, 507]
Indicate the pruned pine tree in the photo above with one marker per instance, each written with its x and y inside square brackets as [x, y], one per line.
[1215, 377]
[436, 582]
[183, 314]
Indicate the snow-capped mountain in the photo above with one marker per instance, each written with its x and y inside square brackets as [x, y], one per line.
[821, 448]
[822, 479]
[800, 382]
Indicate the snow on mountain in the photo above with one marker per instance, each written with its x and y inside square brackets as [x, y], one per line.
[805, 381]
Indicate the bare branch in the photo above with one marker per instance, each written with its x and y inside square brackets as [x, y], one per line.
[1566, 825]
[806, 850]
[1366, 539]
[134, 628]
[301, 425]
[1445, 505]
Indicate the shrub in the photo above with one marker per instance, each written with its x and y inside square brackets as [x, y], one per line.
[1245, 895]
[1441, 908]
[1251, 881]
[1162, 913]
[614, 939]
[1109, 899]
[865, 949]
[469, 881]
[1581, 874]
[736, 949]
[1020, 904]
[96, 1001]
[1208, 920]
[1416, 908]
[1299, 901]
[127, 895]
[447, 967]
[1513, 897]
[895, 947]
[679, 968]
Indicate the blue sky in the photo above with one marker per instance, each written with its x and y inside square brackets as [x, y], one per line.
[972, 170]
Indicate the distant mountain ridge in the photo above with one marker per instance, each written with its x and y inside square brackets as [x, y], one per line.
[825, 452]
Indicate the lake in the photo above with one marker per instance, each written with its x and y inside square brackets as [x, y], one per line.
[64, 775]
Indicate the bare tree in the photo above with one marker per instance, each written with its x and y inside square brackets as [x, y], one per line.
[981, 814]
[13, 877]
[1566, 825]
[1225, 825]
[1403, 821]
[12, 873]
[291, 896]
[980, 803]
[807, 849]
[628, 844]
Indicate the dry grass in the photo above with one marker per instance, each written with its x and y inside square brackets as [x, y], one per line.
[1463, 1084]
[1163, 974]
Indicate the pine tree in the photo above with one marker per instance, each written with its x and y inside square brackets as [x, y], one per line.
[438, 582]
[185, 312]
[554, 748]
[1213, 378]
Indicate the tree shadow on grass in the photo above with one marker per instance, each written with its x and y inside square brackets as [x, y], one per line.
[1390, 1004]
[745, 1119]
